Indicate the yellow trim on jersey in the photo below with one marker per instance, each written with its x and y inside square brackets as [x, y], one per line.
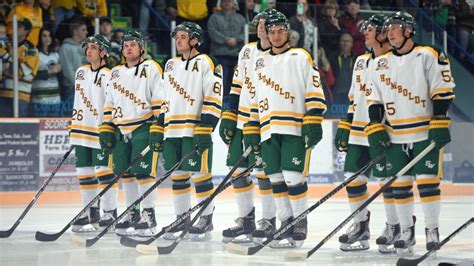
[314, 94]
[132, 120]
[181, 117]
[279, 123]
[319, 105]
[407, 131]
[213, 109]
[86, 137]
[441, 90]
[281, 113]
[410, 120]
[94, 129]
[9, 94]
[430, 49]
[235, 90]
[357, 133]
[108, 108]
[155, 103]
[240, 83]
[310, 58]
[359, 123]
[211, 63]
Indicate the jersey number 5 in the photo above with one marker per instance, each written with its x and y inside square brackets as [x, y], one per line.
[390, 108]
[446, 75]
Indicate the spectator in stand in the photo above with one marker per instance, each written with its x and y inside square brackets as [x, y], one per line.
[48, 13]
[4, 51]
[294, 39]
[303, 23]
[326, 74]
[465, 25]
[63, 9]
[45, 99]
[71, 57]
[115, 53]
[92, 8]
[350, 23]
[342, 65]
[27, 68]
[226, 31]
[247, 9]
[329, 28]
[105, 27]
[30, 10]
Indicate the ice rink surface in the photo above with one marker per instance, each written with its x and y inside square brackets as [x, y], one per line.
[22, 248]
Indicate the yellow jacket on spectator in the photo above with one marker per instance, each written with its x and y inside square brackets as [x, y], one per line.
[92, 8]
[28, 59]
[192, 9]
[66, 4]
[33, 14]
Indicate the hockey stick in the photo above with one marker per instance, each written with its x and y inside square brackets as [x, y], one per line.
[7, 233]
[149, 249]
[130, 242]
[302, 255]
[91, 241]
[244, 250]
[45, 237]
[410, 262]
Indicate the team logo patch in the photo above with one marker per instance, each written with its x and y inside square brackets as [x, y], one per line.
[296, 161]
[80, 75]
[169, 66]
[218, 70]
[442, 58]
[430, 164]
[246, 54]
[115, 74]
[360, 65]
[382, 64]
[259, 64]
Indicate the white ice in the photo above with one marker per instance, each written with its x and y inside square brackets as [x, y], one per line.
[22, 249]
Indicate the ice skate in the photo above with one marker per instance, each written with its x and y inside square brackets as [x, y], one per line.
[174, 232]
[147, 224]
[432, 240]
[404, 245]
[390, 234]
[285, 240]
[266, 227]
[88, 222]
[300, 231]
[126, 227]
[357, 237]
[108, 218]
[242, 232]
[202, 230]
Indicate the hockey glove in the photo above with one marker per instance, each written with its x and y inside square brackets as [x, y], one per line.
[342, 135]
[377, 135]
[202, 137]
[156, 137]
[107, 137]
[228, 125]
[252, 136]
[312, 131]
[439, 131]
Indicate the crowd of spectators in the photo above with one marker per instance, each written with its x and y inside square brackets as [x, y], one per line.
[54, 30]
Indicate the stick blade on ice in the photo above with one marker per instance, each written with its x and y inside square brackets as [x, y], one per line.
[77, 240]
[407, 262]
[7, 233]
[237, 249]
[147, 249]
[44, 237]
[131, 243]
[295, 255]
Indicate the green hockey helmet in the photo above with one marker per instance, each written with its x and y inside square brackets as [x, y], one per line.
[275, 17]
[403, 19]
[376, 20]
[102, 41]
[133, 35]
[194, 30]
[259, 16]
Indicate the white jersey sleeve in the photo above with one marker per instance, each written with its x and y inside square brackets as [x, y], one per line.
[439, 76]
[212, 89]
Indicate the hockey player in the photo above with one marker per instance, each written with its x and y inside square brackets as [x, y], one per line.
[350, 138]
[92, 165]
[413, 88]
[286, 115]
[232, 121]
[192, 108]
[133, 98]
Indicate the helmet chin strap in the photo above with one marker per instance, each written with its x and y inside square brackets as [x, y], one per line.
[405, 39]
[189, 55]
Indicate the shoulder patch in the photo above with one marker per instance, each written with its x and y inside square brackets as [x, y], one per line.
[382, 64]
[360, 63]
[442, 58]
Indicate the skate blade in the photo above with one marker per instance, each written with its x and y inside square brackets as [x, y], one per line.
[296, 255]
[126, 232]
[77, 240]
[359, 246]
[146, 232]
[84, 228]
[242, 239]
[174, 236]
[237, 249]
[200, 237]
[259, 240]
[283, 243]
[405, 252]
[147, 249]
[387, 249]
